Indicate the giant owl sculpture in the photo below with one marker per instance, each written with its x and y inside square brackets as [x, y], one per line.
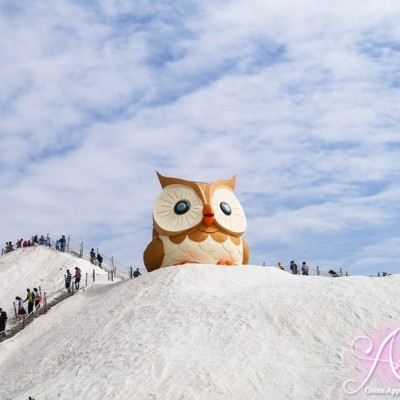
[197, 222]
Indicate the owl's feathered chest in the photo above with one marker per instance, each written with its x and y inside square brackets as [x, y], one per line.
[206, 251]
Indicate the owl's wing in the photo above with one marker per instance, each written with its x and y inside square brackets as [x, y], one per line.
[153, 255]
[246, 253]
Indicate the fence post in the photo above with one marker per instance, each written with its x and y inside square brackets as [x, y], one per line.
[318, 273]
[341, 272]
[130, 272]
[15, 310]
[86, 278]
[112, 276]
[81, 250]
[40, 291]
[45, 301]
[379, 274]
[94, 276]
[112, 263]
[347, 273]
[263, 263]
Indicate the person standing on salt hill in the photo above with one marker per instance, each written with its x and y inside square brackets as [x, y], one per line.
[137, 273]
[21, 309]
[304, 268]
[280, 266]
[30, 298]
[38, 298]
[3, 322]
[293, 267]
[77, 277]
[92, 256]
[68, 278]
[99, 259]
[63, 242]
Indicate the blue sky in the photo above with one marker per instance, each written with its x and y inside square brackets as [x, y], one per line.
[300, 101]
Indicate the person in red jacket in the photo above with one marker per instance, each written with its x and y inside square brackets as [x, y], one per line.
[77, 277]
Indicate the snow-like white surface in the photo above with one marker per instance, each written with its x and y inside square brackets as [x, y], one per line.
[195, 332]
[41, 267]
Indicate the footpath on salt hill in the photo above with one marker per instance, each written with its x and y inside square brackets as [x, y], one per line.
[43, 268]
[202, 332]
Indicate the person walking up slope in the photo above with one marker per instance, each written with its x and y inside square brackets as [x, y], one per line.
[21, 309]
[77, 277]
[3, 322]
[30, 298]
[68, 278]
[38, 298]
[92, 256]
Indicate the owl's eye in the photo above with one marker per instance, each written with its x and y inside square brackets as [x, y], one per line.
[226, 209]
[182, 207]
[177, 209]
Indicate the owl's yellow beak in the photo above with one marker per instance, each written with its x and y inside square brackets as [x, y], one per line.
[208, 215]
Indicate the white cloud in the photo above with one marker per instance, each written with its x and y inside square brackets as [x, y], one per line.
[299, 100]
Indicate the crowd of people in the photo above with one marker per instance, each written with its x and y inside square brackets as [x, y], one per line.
[304, 270]
[35, 241]
[33, 297]
[34, 300]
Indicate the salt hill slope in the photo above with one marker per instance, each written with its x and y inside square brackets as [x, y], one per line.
[200, 332]
[38, 266]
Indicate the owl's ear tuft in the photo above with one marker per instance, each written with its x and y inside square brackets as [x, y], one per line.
[232, 182]
[163, 180]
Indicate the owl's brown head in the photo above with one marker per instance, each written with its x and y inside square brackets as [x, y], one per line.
[185, 205]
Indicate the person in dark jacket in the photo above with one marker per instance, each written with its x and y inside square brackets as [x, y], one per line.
[68, 277]
[99, 259]
[63, 243]
[293, 267]
[92, 256]
[3, 322]
[136, 273]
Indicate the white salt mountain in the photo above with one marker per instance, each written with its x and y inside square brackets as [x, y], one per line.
[194, 332]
